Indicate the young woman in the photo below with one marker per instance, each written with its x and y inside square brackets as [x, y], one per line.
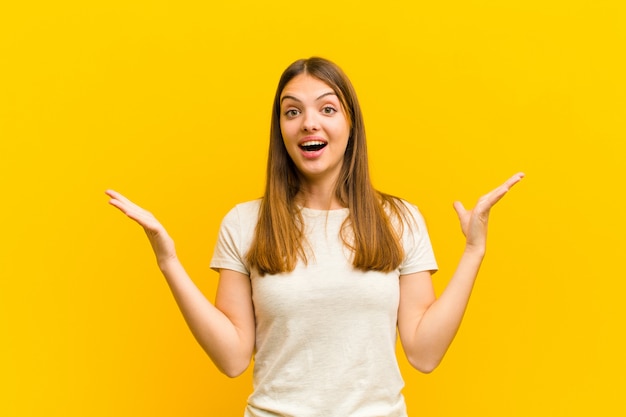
[318, 275]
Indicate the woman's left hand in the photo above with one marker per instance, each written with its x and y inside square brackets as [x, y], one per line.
[474, 221]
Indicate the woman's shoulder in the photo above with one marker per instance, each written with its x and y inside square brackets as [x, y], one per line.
[403, 214]
[243, 213]
[398, 205]
[248, 207]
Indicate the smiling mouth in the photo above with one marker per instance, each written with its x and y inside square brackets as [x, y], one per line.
[313, 146]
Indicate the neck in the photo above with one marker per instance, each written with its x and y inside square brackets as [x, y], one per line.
[320, 196]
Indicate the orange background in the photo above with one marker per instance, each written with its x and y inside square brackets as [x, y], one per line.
[169, 103]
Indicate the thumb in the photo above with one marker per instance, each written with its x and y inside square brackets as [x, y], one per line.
[459, 208]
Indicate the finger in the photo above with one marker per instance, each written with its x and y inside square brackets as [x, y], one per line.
[459, 208]
[495, 195]
[513, 180]
[126, 206]
[141, 216]
[114, 194]
[123, 203]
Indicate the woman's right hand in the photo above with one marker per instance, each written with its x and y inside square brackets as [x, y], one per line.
[162, 243]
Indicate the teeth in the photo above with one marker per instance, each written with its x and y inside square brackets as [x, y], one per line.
[313, 143]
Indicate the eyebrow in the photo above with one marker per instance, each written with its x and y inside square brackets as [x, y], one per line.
[330, 93]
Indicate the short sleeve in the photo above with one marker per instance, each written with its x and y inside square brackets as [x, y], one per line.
[418, 251]
[234, 238]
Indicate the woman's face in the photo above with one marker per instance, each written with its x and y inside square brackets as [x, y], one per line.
[314, 127]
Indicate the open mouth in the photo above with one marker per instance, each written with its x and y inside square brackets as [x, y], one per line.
[313, 146]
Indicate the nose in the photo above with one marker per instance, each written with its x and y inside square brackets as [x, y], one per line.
[310, 123]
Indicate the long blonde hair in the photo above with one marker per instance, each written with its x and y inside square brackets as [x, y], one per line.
[278, 239]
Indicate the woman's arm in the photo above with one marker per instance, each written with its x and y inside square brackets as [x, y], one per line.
[428, 325]
[225, 331]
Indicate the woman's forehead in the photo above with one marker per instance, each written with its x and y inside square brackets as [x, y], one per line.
[306, 85]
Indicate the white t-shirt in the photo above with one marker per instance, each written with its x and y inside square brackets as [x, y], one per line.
[325, 332]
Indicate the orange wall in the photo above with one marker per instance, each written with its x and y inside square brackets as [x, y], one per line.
[170, 104]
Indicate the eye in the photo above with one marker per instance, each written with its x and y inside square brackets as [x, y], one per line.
[292, 112]
[329, 110]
